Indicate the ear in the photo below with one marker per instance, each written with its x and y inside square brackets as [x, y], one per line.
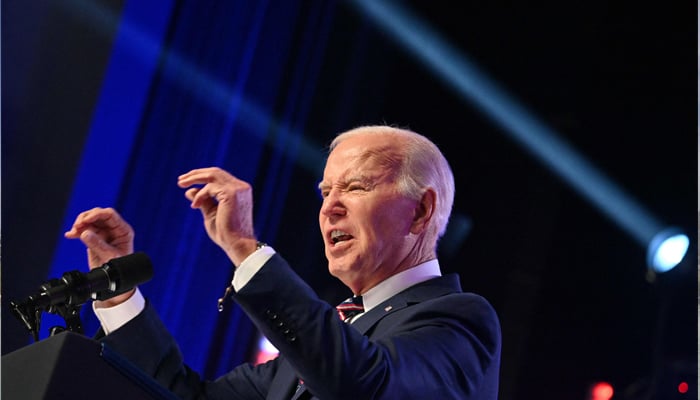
[423, 212]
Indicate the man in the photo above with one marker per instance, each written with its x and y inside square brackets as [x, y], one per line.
[387, 196]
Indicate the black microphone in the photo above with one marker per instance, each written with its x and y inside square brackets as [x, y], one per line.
[116, 276]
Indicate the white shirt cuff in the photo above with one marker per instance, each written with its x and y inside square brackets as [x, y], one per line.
[250, 266]
[113, 318]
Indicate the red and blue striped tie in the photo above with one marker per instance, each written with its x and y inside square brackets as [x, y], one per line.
[349, 308]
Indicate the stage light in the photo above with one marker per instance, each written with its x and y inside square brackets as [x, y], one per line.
[666, 249]
[465, 77]
[601, 391]
[266, 351]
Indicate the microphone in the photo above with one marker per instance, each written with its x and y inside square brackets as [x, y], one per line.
[116, 276]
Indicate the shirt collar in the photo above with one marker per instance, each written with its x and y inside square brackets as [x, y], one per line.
[397, 283]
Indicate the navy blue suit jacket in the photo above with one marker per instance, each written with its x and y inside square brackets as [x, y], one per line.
[431, 341]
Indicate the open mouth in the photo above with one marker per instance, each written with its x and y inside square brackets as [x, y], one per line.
[338, 236]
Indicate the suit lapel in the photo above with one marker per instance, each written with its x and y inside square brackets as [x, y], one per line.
[371, 317]
[415, 294]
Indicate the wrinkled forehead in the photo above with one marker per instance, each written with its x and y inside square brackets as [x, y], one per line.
[355, 156]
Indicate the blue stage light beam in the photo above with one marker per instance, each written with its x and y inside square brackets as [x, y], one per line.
[474, 86]
[140, 47]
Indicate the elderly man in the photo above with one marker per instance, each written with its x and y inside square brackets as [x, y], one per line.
[387, 197]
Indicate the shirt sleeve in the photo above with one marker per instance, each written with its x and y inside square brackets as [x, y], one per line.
[250, 266]
[112, 318]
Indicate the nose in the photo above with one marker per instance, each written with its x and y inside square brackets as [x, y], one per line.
[332, 204]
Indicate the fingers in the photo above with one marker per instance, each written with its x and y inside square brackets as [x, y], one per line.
[98, 219]
[105, 234]
[217, 186]
[200, 176]
[190, 193]
[203, 198]
[97, 243]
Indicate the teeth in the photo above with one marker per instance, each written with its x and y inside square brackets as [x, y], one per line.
[337, 235]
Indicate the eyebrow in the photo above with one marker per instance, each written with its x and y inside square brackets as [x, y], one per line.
[357, 178]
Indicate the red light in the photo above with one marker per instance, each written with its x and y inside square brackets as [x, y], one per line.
[683, 387]
[262, 357]
[265, 352]
[601, 391]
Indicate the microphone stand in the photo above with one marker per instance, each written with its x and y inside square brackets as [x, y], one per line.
[65, 296]
[29, 313]
[71, 314]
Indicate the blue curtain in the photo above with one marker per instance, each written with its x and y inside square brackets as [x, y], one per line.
[194, 84]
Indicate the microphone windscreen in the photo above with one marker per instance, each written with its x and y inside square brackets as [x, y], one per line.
[131, 270]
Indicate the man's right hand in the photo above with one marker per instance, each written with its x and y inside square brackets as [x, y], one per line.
[106, 236]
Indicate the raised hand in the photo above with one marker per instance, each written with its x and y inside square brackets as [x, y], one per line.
[106, 236]
[226, 203]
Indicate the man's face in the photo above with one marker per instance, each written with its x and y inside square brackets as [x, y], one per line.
[364, 221]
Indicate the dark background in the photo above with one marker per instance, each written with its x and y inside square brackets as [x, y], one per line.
[616, 80]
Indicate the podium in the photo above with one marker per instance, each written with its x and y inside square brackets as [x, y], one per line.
[72, 366]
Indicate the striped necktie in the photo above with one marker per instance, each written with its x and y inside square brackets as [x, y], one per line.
[349, 308]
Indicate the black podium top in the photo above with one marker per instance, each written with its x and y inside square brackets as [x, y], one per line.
[72, 366]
